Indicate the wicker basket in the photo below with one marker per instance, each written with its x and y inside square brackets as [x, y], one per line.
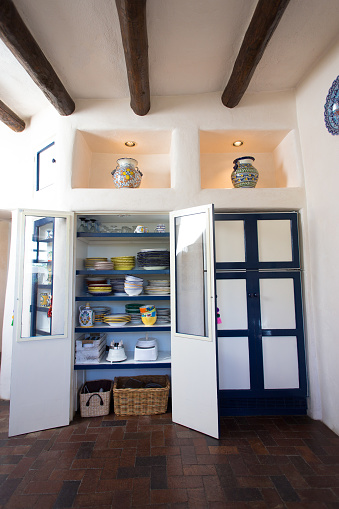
[94, 403]
[143, 401]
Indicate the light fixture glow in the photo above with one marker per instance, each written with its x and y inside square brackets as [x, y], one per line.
[238, 143]
[130, 143]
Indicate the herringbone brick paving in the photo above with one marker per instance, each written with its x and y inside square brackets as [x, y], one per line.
[149, 462]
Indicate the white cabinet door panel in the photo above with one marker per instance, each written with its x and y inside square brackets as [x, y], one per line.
[229, 241]
[274, 240]
[232, 303]
[280, 356]
[234, 364]
[277, 303]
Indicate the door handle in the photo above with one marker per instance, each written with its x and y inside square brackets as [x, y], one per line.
[253, 295]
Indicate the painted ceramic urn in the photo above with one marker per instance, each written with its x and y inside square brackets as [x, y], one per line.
[86, 316]
[244, 174]
[127, 173]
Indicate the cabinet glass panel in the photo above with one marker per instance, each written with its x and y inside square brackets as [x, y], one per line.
[277, 303]
[191, 274]
[229, 241]
[232, 303]
[44, 286]
[274, 240]
[280, 358]
[234, 366]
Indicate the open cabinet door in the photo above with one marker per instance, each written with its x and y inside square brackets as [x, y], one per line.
[193, 341]
[42, 341]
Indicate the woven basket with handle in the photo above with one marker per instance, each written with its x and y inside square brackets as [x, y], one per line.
[95, 398]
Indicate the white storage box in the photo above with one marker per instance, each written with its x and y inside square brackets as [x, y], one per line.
[90, 348]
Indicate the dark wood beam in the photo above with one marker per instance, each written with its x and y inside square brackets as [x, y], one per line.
[9, 118]
[265, 20]
[132, 17]
[20, 41]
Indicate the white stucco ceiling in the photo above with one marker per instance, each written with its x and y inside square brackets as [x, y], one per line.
[192, 47]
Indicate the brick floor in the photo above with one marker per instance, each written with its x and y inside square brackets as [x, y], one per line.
[149, 462]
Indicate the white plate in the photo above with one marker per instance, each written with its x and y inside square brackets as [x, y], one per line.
[147, 250]
[116, 324]
[159, 267]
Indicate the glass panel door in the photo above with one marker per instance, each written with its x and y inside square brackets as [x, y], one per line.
[193, 344]
[42, 353]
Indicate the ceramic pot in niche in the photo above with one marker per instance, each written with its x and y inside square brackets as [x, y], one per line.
[127, 173]
[244, 174]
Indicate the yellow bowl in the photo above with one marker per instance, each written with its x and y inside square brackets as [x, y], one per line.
[149, 320]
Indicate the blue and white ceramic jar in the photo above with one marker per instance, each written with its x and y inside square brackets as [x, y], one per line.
[244, 174]
[127, 173]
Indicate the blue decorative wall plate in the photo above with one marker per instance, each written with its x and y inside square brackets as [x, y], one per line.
[332, 108]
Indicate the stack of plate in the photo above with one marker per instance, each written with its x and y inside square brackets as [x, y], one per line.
[103, 265]
[157, 287]
[100, 313]
[160, 228]
[90, 262]
[133, 285]
[118, 286]
[163, 316]
[134, 312]
[117, 319]
[99, 289]
[123, 262]
[154, 259]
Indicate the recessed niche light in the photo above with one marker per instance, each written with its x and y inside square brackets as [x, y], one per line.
[238, 143]
[130, 143]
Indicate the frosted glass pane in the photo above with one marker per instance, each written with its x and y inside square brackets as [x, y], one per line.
[44, 285]
[232, 303]
[190, 266]
[234, 367]
[277, 304]
[229, 241]
[280, 358]
[274, 240]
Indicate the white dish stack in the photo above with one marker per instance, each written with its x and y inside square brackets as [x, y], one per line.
[133, 285]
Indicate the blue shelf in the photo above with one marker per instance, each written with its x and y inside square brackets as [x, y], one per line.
[121, 365]
[124, 235]
[163, 361]
[126, 328]
[94, 272]
[110, 298]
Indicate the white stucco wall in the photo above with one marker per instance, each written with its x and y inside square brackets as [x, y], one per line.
[184, 117]
[320, 152]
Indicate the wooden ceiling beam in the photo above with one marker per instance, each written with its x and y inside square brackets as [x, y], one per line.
[132, 17]
[12, 120]
[265, 20]
[22, 44]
